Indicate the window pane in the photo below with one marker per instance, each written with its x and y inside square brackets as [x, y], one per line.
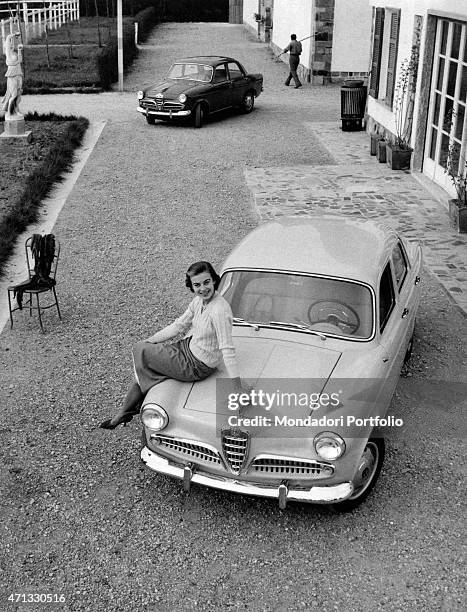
[443, 153]
[448, 118]
[437, 106]
[386, 297]
[434, 137]
[455, 155]
[463, 91]
[400, 267]
[444, 36]
[452, 78]
[456, 39]
[439, 84]
[465, 47]
[460, 117]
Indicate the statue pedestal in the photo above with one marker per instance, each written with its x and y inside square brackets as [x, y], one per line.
[16, 128]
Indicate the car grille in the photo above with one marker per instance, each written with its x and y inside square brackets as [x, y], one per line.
[162, 105]
[191, 450]
[286, 466]
[235, 445]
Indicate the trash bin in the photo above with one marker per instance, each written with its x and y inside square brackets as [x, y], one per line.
[353, 100]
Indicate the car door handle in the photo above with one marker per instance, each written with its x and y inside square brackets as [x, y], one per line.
[405, 312]
[417, 280]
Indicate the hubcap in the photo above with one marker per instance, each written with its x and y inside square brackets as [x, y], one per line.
[248, 102]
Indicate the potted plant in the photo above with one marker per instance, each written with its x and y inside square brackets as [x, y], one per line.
[375, 137]
[398, 150]
[381, 149]
[257, 17]
[456, 168]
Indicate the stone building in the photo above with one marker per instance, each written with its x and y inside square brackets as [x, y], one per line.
[433, 34]
[335, 34]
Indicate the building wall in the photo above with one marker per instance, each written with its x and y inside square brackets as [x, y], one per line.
[235, 11]
[377, 109]
[294, 17]
[351, 37]
[250, 7]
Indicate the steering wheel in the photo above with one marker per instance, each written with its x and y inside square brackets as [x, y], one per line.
[336, 313]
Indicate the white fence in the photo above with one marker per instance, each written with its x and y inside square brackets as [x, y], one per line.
[33, 16]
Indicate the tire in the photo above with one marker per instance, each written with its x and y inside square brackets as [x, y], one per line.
[371, 461]
[151, 120]
[199, 116]
[248, 103]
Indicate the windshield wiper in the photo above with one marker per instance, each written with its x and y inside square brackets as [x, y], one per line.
[254, 325]
[300, 326]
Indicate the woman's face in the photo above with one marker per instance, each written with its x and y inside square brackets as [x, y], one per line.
[203, 285]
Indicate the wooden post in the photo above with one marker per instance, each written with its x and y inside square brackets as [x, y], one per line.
[25, 21]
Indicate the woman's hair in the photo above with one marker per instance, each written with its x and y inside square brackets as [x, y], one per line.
[198, 268]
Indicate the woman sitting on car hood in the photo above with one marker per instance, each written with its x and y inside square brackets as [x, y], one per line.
[207, 325]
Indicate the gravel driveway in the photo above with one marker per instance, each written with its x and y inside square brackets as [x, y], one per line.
[79, 514]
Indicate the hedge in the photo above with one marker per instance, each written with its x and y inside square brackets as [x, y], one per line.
[107, 58]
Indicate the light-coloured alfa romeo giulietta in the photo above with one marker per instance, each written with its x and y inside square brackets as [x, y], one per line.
[324, 312]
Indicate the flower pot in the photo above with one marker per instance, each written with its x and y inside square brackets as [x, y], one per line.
[374, 139]
[458, 216]
[397, 158]
[381, 151]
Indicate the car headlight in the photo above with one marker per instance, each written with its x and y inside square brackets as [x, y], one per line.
[182, 98]
[140, 95]
[329, 445]
[154, 417]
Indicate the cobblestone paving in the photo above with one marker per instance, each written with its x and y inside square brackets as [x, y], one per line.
[358, 185]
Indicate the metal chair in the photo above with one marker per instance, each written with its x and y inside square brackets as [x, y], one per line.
[39, 281]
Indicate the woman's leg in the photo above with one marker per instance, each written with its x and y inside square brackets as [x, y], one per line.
[131, 406]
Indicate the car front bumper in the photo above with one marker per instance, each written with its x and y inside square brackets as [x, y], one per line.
[171, 114]
[314, 495]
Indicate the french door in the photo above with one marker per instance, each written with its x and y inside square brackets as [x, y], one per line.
[447, 116]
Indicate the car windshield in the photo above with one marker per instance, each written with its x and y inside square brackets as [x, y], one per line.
[332, 306]
[192, 72]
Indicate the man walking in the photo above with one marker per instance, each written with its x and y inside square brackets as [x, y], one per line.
[294, 49]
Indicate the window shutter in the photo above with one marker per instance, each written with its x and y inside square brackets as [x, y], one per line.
[377, 47]
[392, 57]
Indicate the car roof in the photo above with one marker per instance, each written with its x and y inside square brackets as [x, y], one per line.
[210, 60]
[345, 247]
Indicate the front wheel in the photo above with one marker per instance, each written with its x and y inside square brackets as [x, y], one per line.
[199, 116]
[248, 103]
[150, 119]
[367, 473]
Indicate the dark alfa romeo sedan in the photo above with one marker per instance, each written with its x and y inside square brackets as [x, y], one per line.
[196, 87]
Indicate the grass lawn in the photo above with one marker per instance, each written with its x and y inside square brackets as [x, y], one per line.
[72, 65]
[29, 171]
[81, 32]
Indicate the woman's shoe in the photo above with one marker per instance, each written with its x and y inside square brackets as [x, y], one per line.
[108, 424]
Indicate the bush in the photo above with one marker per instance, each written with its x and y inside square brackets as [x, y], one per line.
[38, 184]
[146, 20]
[107, 58]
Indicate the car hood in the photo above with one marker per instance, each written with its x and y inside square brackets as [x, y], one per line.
[301, 368]
[172, 89]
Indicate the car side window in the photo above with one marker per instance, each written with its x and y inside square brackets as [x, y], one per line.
[400, 265]
[386, 297]
[220, 74]
[234, 70]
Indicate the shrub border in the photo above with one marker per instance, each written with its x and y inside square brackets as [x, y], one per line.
[39, 183]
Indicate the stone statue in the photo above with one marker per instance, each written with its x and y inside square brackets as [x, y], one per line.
[14, 74]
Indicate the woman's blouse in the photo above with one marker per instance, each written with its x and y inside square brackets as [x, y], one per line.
[211, 331]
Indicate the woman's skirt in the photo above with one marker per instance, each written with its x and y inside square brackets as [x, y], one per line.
[154, 363]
